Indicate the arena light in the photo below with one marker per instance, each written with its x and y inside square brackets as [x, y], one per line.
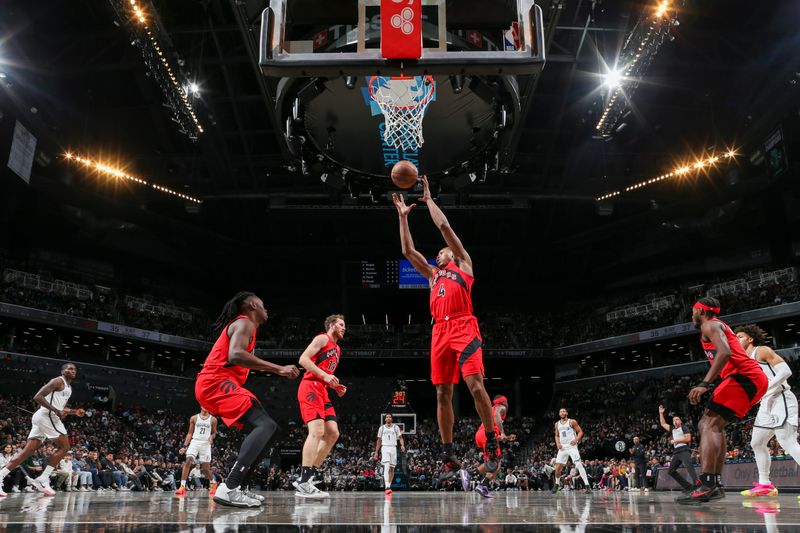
[641, 46]
[704, 163]
[118, 173]
[148, 34]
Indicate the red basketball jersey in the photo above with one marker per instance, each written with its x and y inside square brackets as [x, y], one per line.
[217, 364]
[739, 362]
[494, 409]
[451, 293]
[327, 359]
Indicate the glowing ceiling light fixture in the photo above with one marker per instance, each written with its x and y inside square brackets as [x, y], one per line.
[613, 79]
[121, 174]
[662, 9]
[142, 21]
[680, 171]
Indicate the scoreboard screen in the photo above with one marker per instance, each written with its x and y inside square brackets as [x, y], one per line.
[384, 275]
[410, 278]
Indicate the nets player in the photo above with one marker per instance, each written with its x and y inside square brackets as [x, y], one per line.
[499, 411]
[568, 435]
[320, 360]
[456, 341]
[199, 438]
[219, 390]
[742, 386]
[682, 450]
[777, 415]
[46, 424]
[388, 436]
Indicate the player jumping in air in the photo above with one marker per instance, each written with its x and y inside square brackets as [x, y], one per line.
[456, 345]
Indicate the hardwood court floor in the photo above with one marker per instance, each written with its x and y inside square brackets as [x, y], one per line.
[112, 512]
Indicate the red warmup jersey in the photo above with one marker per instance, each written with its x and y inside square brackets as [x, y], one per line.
[451, 293]
[739, 362]
[327, 359]
[217, 364]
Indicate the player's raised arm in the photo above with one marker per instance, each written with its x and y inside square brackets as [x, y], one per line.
[407, 242]
[317, 344]
[241, 332]
[463, 259]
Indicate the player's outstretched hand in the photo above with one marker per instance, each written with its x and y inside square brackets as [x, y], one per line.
[340, 390]
[182, 451]
[331, 381]
[80, 411]
[402, 209]
[289, 371]
[426, 190]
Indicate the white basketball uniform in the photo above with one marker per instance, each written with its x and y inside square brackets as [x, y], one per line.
[199, 447]
[567, 434]
[45, 424]
[389, 436]
[778, 408]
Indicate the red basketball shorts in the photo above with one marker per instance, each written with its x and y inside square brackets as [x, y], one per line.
[224, 398]
[737, 393]
[315, 404]
[480, 440]
[456, 349]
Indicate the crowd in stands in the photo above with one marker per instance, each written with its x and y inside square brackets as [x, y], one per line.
[501, 328]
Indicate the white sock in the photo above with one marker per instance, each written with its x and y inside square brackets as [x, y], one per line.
[582, 471]
[183, 483]
[4, 472]
[386, 475]
[47, 471]
[758, 442]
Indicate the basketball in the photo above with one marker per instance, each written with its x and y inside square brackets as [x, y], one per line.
[404, 174]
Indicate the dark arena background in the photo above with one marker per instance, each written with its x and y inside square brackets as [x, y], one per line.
[604, 164]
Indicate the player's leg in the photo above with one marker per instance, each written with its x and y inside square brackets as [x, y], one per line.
[316, 432]
[329, 438]
[445, 416]
[205, 466]
[712, 447]
[444, 375]
[560, 462]
[758, 441]
[187, 466]
[787, 438]
[262, 430]
[42, 482]
[576, 458]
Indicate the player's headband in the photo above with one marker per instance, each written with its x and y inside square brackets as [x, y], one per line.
[705, 307]
[499, 400]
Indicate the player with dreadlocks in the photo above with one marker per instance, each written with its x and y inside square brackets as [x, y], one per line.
[219, 390]
[777, 414]
[46, 424]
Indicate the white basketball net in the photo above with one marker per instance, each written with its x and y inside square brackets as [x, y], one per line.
[403, 103]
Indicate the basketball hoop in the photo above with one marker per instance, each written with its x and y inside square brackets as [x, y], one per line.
[403, 102]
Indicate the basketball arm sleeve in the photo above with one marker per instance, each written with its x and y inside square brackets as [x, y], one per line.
[782, 373]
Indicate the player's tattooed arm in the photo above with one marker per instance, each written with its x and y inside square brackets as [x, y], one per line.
[55, 384]
[241, 332]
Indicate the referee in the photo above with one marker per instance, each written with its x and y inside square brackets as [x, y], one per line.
[682, 455]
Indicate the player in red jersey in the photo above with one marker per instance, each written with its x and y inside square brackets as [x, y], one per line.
[219, 390]
[499, 411]
[456, 341]
[320, 360]
[742, 386]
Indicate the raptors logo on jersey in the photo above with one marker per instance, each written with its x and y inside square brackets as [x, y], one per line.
[451, 293]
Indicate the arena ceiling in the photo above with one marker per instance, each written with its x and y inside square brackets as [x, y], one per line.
[726, 79]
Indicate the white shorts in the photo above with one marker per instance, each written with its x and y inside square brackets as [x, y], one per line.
[45, 425]
[199, 451]
[776, 411]
[389, 455]
[568, 452]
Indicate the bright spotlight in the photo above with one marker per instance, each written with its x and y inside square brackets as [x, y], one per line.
[194, 88]
[613, 78]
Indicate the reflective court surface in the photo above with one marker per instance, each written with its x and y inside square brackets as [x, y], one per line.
[401, 512]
